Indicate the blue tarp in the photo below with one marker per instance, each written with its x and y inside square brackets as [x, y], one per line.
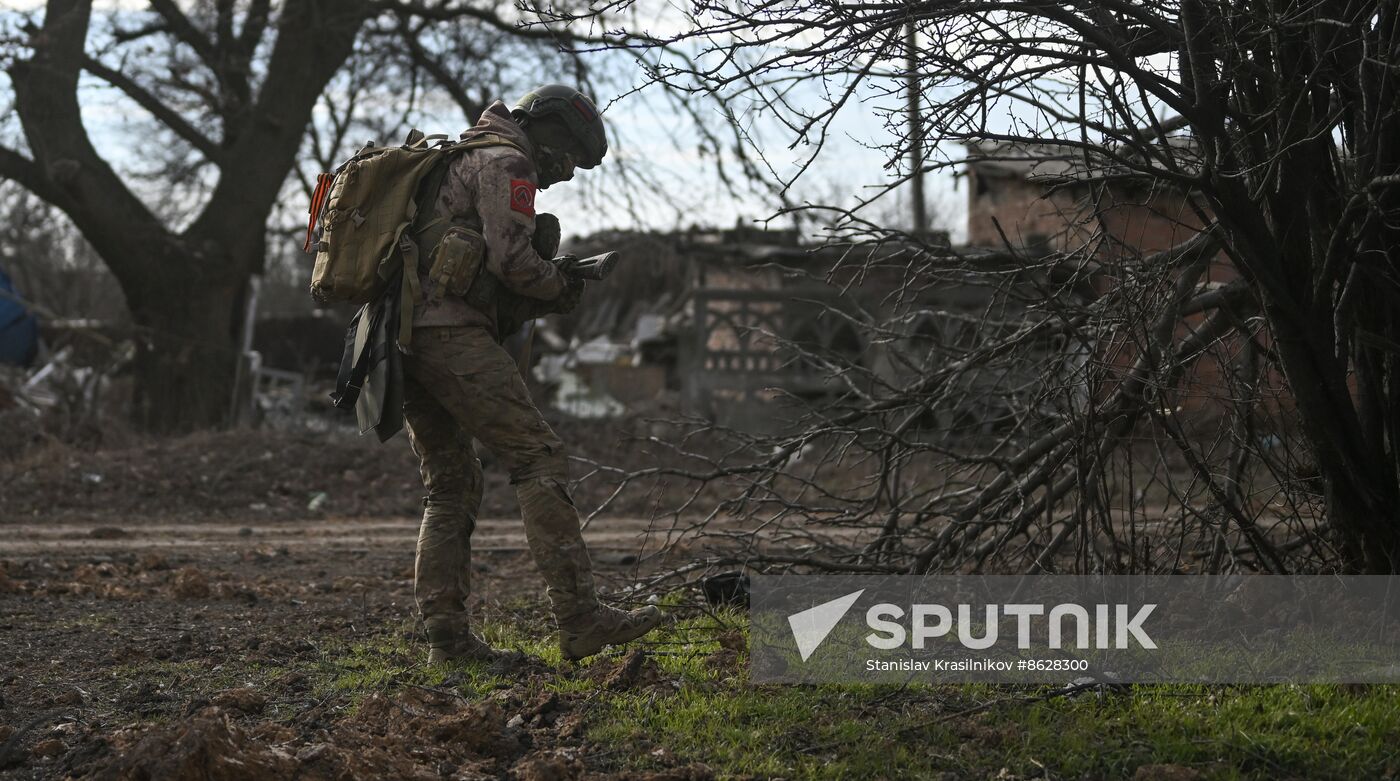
[19, 331]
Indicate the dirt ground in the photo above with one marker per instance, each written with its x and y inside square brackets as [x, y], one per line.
[255, 476]
[239, 605]
[191, 609]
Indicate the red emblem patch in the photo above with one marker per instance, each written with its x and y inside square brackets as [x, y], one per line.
[522, 196]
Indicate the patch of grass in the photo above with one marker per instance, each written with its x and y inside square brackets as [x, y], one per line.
[100, 621]
[765, 731]
[705, 710]
[391, 661]
[513, 635]
[830, 732]
[1315, 732]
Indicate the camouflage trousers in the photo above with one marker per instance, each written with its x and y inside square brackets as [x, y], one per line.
[460, 386]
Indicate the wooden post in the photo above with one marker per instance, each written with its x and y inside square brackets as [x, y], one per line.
[916, 133]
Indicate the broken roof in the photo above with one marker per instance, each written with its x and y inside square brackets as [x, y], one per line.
[1056, 162]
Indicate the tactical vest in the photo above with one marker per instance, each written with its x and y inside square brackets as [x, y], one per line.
[457, 258]
[371, 219]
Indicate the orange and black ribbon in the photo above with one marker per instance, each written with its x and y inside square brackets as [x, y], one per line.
[318, 201]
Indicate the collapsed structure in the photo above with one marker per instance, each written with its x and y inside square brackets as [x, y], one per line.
[731, 321]
[727, 324]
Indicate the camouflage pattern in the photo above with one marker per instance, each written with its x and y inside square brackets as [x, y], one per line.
[548, 234]
[459, 386]
[493, 185]
[514, 311]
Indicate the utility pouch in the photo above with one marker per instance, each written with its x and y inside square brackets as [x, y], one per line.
[456, 261]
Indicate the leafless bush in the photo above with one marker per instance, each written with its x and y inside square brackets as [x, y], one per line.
[1224, 402]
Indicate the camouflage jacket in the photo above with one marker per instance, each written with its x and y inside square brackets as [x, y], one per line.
[498, 185]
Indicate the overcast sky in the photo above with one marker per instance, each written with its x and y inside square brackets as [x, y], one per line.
[647, 132]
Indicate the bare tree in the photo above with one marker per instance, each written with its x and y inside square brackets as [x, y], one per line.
[50, 263]
[1263, 130]
[229, 87]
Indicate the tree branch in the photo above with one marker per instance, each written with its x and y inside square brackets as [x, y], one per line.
[444, 78]
[75, 177]
[449, 12]
[18, 168]
[185, 31]
[166, 115]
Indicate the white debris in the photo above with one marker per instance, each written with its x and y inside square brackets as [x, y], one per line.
[576, 398]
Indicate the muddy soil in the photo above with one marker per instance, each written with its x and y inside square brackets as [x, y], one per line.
[178, 609]
[204, 656]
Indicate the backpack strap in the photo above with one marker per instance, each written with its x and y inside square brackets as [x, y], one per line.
[485, 140]
[427, 229]
[427, 219]
[411, 245]
[409, 291]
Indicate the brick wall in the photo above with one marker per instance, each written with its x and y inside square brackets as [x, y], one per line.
[1036, 216]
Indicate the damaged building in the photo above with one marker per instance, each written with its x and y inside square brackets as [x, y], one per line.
[723, 324]
[736, 325]
[732, 325]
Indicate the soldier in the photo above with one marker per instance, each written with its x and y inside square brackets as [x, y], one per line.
[461, 385]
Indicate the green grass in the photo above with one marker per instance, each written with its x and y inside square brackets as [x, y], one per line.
[831, 732]
[1233, 732]
[705, 710]
[710, 713]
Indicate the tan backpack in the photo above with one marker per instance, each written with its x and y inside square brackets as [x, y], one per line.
[360, 217]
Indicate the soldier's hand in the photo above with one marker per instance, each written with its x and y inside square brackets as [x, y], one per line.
[565, 264]
[547, 235]
[570, 295]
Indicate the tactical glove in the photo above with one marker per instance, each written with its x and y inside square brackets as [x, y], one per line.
[573, 286]
[547, 235]
[569, 298]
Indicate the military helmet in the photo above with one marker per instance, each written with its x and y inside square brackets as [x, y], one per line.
[577, 112]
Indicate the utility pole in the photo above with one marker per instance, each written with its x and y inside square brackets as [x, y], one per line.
[916, 132]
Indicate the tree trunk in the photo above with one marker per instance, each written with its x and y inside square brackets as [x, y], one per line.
[185, 291]
[188, 313]
[184, 366]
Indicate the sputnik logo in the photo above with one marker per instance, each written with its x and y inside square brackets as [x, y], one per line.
[811, 626]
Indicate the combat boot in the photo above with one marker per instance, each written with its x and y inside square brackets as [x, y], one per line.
[586, 634]
[448, 642]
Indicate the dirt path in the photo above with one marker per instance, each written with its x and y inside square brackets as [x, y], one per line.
[614, 536]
